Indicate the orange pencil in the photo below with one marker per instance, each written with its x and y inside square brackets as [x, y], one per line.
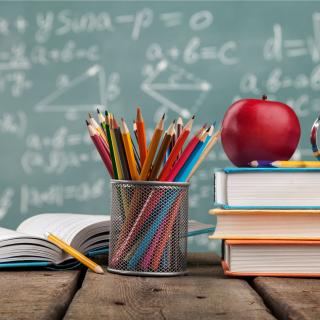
[141, 137]
[152, 149]
[162, 151]
[176, 150]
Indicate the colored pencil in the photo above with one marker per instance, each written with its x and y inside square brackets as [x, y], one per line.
[173, 140]
[97, 140]
[205, 152]
[191, 161]
[136, 154]
[146, 240]
[146, 211]
[126, 138]
[285, 164]
[113, 161]
[95, 124]
[179, 127]
[185, 154]
[162, 151]
[141, 137]
[152, 149]
[121, 151]
[175, 151]
[115, 149]
[102, 121]
[74, 253]
[165, 235]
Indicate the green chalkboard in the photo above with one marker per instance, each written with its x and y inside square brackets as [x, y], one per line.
[59, 59]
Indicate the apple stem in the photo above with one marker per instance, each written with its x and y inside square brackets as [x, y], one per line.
[264, 97]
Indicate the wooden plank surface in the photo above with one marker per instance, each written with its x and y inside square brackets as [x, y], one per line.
[289, 298]
[36, 294]
[203, 294]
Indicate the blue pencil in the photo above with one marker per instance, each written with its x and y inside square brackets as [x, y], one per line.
[190, 163]
[145, 243]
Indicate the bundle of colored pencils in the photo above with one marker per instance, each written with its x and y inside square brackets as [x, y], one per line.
[144, 236]
[164, 159]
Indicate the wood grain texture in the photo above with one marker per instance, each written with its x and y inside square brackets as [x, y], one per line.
[203, 294]
[289, 298]
[36, 294]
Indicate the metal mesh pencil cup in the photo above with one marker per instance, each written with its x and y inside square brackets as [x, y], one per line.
[149, 225]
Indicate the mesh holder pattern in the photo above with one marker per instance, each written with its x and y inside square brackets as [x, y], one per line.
[149, 225]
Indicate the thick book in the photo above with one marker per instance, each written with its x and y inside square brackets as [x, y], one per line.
[272, 188]
[27, 246]
[271, 258]
[89, 234]
[266, 224]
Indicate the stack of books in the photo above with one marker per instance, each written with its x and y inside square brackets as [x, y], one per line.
[269, 221]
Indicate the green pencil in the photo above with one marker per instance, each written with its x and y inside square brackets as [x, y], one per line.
[113, 160]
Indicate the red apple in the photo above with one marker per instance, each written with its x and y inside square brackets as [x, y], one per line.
[254, 129]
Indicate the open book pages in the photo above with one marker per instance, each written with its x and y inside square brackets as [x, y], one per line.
[28, 243]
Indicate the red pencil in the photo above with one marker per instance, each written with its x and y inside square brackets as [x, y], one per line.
[175, 151]
[185, 154]
[97, 140]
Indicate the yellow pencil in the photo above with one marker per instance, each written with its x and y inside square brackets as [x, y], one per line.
[115, 149]
[287, 164]
[129, 150]
[152, 149]
[74, 253]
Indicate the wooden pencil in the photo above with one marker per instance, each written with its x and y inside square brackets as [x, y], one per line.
[74, 253]
[176, 150]
[121, 151]
[115, 148]
[97, 140]
[113, 161]
[162, 151]
[173, 140]
[285, 164]
[179, 129]
[126, 138]
[204, 154]
[141, 137]
[185, 154]
[95, 124]
[196, 153]
[152, 149]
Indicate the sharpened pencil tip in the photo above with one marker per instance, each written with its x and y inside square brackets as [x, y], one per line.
[106, 113]
[253, 163]
[87, 122]
[98, 110]
[193, 116]
[163, 116]
[90, 115]
[174, 121]
[99, 270]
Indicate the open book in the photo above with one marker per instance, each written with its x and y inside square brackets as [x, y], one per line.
[89, 234]
[28, 247]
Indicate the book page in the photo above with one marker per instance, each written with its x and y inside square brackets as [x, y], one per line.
[64, 225]
[6, 234]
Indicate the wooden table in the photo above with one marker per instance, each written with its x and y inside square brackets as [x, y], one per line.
[205, 293]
